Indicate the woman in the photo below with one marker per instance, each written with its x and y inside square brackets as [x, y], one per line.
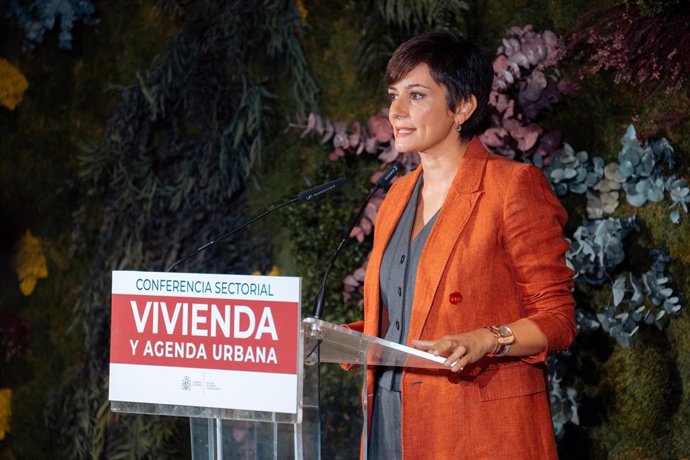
[468, 263]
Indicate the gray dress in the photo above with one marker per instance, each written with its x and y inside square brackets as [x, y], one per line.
[397, 279]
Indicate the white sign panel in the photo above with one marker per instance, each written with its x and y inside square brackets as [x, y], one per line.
[217, 341]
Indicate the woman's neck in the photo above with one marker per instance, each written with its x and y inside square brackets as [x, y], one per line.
[440, 168]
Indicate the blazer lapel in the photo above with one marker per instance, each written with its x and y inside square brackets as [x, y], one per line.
[454, 214]
[399, 202]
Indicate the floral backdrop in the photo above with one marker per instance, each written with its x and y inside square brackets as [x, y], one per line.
[130, 133]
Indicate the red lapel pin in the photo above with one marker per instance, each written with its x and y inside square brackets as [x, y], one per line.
[455, 298]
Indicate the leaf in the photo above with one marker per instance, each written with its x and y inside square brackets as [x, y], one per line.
[638, 295]
[638, 314]
[618, 290]
[5, 411]
[534, 86]
[29, 263]
[578, 188]
[626, 169]
[569, 173]
[634, 198]
[655, 194]
[13, 84]
[311, 124]
[630, 135]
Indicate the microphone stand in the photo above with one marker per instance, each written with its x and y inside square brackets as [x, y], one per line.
[305, 195]
[321, 296]
[381, 183]
[231, 232]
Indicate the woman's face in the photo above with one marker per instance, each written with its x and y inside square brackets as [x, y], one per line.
[419, 114]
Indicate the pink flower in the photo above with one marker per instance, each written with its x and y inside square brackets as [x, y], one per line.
[370, 145]
[341, 140]
[380, 127]
[366, 226]
[360, 272]
[357, 233]
[549, 142]
[335, 154]
[375, 177]
[370, 211]
[500, 64]
[355, 137]
[535, 85]
[493, 137]
[389, 155]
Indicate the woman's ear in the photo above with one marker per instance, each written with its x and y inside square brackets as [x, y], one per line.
[465, 109]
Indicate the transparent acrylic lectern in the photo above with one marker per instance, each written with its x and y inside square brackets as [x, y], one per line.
[249, 436]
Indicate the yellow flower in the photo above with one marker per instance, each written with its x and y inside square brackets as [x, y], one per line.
[303, 13]
[274, 272]
[29, 263]
[12, 85]
[5, 411]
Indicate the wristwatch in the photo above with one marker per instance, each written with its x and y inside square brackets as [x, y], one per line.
[504, 339]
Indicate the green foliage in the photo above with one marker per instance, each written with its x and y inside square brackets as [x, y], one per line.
[169, 176]
[679, 353]
[387, 23]
[642, 385]
[653, 7]
[70, 98]
[41, 16]
[416, 15]
[491, 18]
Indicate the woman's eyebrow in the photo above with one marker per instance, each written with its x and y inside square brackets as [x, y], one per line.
[410, 86]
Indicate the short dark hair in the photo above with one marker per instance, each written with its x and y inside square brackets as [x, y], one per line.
[462, 67]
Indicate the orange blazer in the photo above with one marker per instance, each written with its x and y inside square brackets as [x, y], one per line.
[496, 254]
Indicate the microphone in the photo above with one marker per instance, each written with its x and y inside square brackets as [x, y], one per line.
[305, 195]
[389, 175]
[319, 190]
[383, 182]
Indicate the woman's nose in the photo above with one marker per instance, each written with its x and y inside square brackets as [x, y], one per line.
[398, 108]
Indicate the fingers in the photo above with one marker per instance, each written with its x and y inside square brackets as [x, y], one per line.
[441, 347]
[425, 345]
[455, 356]
[459, 364]
[459, 350]
[448, 347]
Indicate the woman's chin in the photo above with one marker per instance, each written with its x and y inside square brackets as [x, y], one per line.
[402, 146]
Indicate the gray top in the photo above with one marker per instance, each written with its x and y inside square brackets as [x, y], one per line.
[397, 279]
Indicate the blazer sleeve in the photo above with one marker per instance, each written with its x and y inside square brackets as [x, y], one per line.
[355, 326]
[533, 223]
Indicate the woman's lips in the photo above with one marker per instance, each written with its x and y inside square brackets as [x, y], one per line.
[404, 131]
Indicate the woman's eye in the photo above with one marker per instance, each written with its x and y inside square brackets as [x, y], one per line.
[415, 95]
[392, 96]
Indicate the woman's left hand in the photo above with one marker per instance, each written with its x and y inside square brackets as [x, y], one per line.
[461, 349]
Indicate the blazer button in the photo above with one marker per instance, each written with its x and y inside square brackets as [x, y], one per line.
[455, 298]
